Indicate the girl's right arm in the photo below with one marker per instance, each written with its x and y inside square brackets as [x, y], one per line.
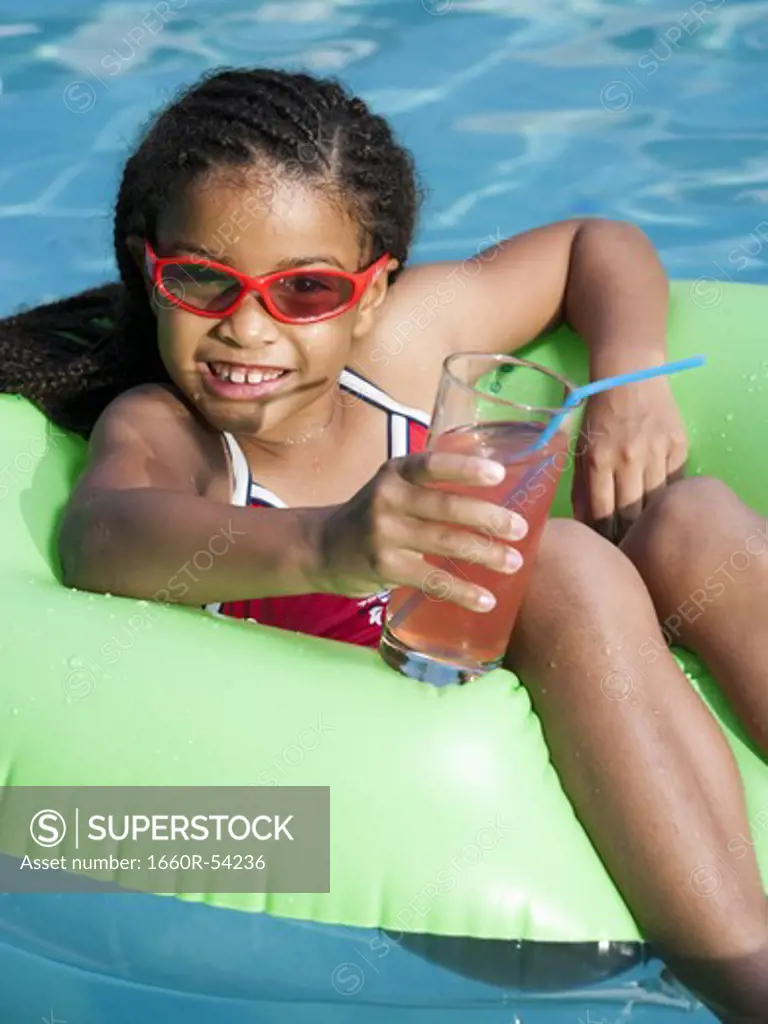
[140, 523]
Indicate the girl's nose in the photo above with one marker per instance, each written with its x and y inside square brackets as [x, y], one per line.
[251, 324]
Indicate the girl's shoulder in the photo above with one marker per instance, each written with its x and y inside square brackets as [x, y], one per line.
[154, 423]
[414, 332]
[147, 405]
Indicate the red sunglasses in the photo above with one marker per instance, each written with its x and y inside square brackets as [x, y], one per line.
[291, 296]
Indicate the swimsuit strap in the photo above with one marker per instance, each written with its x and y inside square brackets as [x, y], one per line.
[373, 394]
[399, 419]
[241, 473]
[244, 487]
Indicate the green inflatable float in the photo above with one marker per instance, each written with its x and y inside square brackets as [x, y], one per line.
[426, 785]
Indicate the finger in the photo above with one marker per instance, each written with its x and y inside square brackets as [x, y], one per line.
[676, 461]
[602, 501]
[461, 548]
[628, 485]
[446, 467]
[436, 583]
[443, 506]
[579, 501]
[655, 477]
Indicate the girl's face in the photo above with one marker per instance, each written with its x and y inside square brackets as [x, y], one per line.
[259, 226]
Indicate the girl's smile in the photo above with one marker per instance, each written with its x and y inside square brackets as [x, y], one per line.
[243, 381]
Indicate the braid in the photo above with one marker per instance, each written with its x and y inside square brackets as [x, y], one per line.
[75, 356]
[63, 357]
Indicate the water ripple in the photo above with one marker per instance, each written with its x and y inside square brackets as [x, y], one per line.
[518, 111]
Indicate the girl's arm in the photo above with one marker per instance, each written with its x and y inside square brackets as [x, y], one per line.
[604, 279]
[138, 524]
[601, 277]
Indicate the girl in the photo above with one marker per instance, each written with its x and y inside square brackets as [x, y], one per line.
[270, 373]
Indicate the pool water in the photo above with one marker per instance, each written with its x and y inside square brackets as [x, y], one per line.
[519, 112]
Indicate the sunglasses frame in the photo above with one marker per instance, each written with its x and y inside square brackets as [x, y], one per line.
[360, 281]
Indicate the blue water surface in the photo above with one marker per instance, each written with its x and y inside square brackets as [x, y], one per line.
[519, 112]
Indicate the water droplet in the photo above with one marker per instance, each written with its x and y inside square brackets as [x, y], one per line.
[729, 417]
[74, 662]
[49, 611]
[752, 376]
[191, 743]
[722, 435]
[14, 711]
[728, 448]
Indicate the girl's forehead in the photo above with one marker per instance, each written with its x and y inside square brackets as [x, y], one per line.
[257, 222]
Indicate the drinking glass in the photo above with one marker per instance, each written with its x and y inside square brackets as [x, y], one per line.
[496, 407]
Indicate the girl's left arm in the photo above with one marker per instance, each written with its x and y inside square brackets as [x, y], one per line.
[604, 279]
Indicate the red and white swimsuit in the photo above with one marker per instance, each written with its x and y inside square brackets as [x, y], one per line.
[353, 620]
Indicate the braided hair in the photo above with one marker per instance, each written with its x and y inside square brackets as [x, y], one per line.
[72, 357]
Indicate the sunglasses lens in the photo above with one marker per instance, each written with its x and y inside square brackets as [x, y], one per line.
[309, 295]
[199, 286]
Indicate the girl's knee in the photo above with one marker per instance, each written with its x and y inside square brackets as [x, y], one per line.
[678, 528]
[568, 546]
[576, 564]
[582, 594]
[693, 503]
[692, 542]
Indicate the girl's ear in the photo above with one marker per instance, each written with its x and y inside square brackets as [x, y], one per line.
[373, 298]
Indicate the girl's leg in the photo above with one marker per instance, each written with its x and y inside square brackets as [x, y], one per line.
[645, 765]
[704, 558]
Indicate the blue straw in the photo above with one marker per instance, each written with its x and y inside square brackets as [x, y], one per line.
[579, 394]
[576, 396]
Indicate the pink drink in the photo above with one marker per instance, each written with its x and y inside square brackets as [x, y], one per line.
[438, 628]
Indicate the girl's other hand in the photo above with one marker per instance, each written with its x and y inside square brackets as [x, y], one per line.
[379, 538]
[633, 443]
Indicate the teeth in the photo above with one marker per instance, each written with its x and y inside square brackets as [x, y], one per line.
[257, 376]
[225, 371]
